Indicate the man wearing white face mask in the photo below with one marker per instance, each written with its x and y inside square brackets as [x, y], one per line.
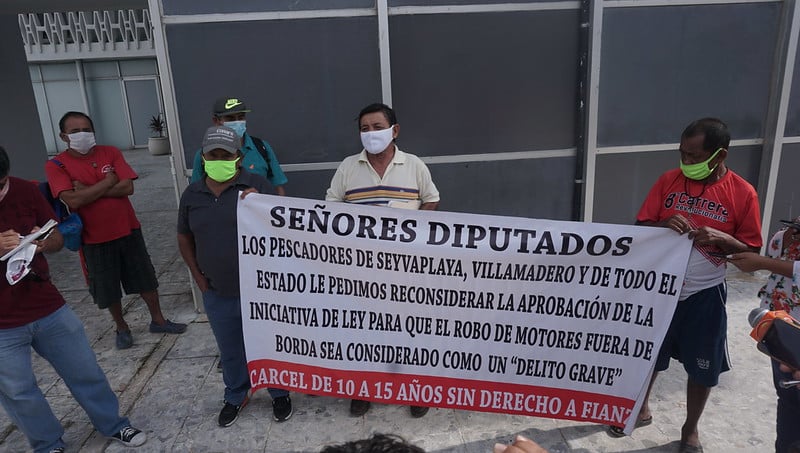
[259, 158]
[383, 175]
[95, 181]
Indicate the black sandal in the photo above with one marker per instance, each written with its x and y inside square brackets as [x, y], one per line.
[616, 431]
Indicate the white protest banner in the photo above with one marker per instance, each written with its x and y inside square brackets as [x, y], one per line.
[499, 314]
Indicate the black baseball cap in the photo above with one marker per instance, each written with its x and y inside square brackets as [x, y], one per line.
[229, 106]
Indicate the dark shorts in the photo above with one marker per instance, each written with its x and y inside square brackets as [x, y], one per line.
[124, 260]
[697, 336]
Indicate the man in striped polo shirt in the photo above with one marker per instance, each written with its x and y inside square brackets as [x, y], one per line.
[382, 175]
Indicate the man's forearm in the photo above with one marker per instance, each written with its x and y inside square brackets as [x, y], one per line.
[52, 243]
[733, 245]
[79, 197]
[123, 188]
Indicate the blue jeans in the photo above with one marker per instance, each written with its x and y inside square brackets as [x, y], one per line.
[60, 339]
[225, 316]
[788, 436]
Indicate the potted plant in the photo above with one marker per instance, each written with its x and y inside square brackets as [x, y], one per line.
[158, 143]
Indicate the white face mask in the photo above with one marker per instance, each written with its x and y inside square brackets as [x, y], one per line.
[81, 142]
[377, 141]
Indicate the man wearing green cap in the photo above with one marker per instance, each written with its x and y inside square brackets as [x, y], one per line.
[259, 158]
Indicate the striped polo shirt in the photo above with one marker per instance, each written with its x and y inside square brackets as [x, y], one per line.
[407, 179]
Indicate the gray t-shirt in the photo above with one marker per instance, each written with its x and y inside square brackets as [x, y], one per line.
[212, 222]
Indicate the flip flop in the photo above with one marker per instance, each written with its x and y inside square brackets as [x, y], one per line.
[616, 431]
[686, 448]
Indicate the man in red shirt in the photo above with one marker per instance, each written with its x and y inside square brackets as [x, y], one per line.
[95, 181]
[33, 315]
[718, 210]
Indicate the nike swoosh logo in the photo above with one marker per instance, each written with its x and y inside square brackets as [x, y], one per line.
[231, 103]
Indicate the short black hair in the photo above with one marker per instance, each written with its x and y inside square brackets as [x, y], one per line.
[5, 163]
[69, 115]
[378, 443]
[714, 130]
[387, 111]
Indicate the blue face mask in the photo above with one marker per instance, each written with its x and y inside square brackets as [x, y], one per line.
[238, 126]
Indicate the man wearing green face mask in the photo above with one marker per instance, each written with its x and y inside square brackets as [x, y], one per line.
[208, 245]
[717, 210]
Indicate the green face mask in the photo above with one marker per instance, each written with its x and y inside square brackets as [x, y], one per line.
[220, 170]
[700, 170]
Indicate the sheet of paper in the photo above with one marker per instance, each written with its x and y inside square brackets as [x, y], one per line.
[30, 238]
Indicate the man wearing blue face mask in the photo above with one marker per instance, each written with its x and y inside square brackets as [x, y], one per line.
[382, 175]
[259, 158]
[717, 210]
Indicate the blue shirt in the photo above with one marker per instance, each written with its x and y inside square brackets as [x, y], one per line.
[252, 162]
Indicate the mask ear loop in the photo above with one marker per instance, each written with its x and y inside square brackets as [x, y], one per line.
[713, 156]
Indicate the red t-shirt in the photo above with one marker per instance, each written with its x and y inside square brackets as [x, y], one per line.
[729, 205]
[106, 218]
[34, 296]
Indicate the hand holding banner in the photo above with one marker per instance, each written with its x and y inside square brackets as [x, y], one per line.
[498, 314]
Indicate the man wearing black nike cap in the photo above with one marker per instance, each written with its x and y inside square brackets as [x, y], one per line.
[258, 156]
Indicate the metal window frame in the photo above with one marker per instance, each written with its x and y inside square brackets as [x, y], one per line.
[382, 11]
[590, 154]
[177, 159]
[46, 102]
[666, 146]
[453, 159]
[785, 55]
[136, 78]
[654, 3]
[775, 121]
[483, 8]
